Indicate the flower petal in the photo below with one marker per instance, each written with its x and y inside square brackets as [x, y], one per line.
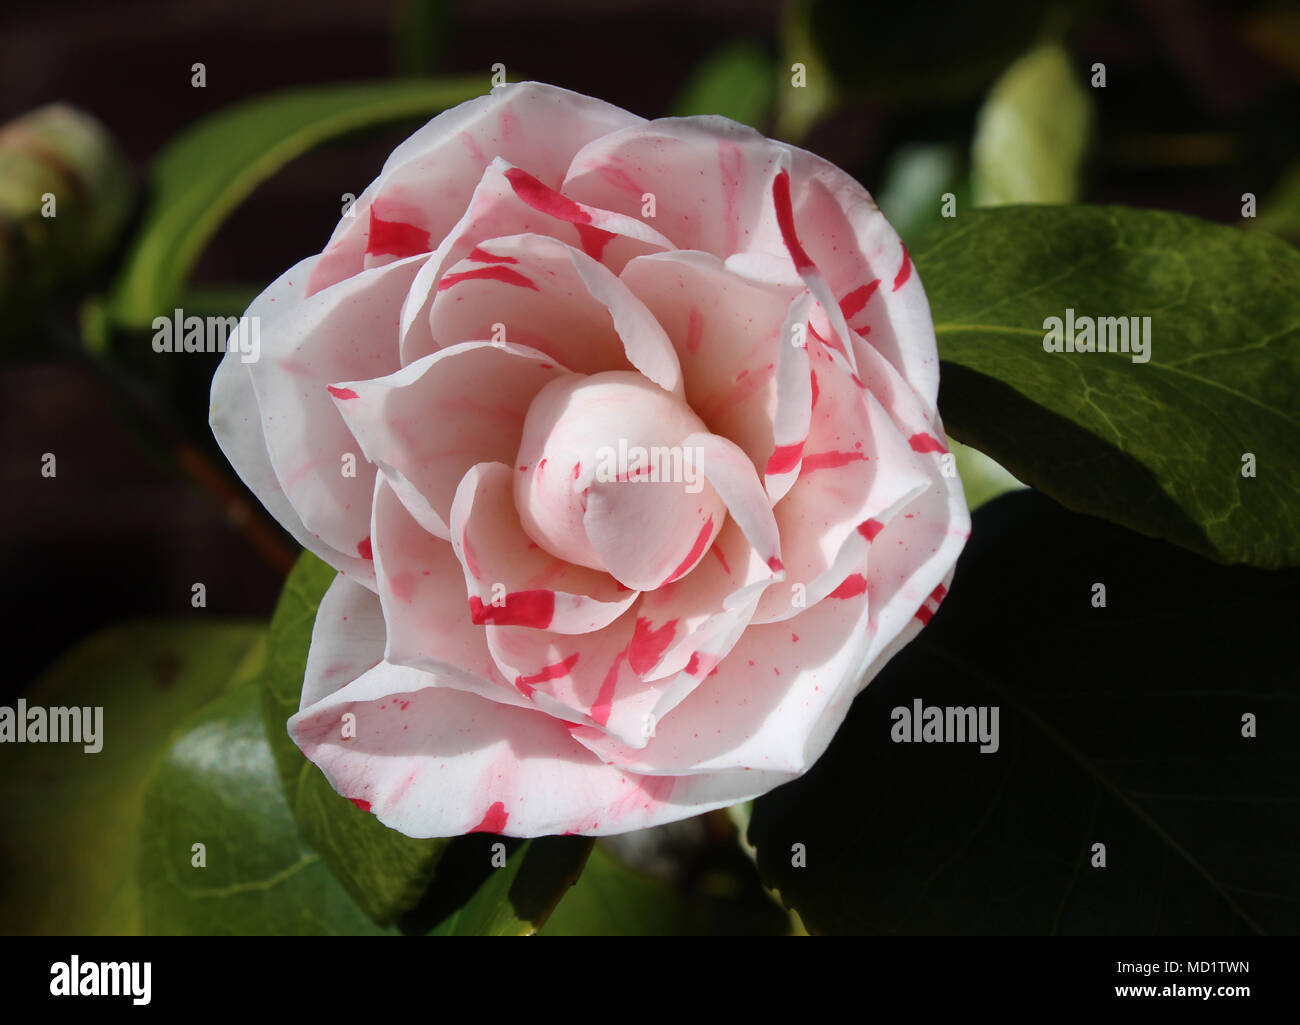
[391, 418]
[502, 563]
[531, 124]
[432, 761]
[236, 423]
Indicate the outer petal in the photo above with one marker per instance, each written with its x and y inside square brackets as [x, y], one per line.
[868, 270]
[346, 333]
[711, 179]
[758, 709]
[423, 599]
[856, 473]
[435, 762]
[236, 423]
[536, 126]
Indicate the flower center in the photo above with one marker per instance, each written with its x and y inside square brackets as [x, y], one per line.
[608, 478]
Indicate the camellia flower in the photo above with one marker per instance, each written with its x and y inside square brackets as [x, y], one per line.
[622, 437]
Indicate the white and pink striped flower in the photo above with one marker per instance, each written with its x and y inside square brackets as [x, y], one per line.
[530, 646]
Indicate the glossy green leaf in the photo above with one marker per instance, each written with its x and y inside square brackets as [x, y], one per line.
[1156, 446]
[386, 872]
[69, 819]
[1032, 132]
[217, 787]
[514, 899]
[206, 172]
[612, 899]
[739, 82]
[1123, 725]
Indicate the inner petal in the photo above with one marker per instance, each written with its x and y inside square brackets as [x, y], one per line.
[604, 478]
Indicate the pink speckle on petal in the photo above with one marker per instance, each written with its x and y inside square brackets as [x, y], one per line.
[364, 549]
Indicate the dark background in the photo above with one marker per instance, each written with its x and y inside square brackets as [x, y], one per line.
[1201, 105]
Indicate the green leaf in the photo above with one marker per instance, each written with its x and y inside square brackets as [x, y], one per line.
[386, 872]
[69, 819]
[1031, 133]
[516, 898]
[612, 899]
[1156, 446]
[737, 81]
[1119, 725]
[207, 171]
[982, 479]
[217, 786]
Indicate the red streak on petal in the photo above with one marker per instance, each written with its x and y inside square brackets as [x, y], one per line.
[395, 238]
[937, 595]
[600, 708]
[815, 390]
[544, 198]
[363, 805]
[870, 528]
[853, 585]
[785, 221]
[503, 274]
[594, 240]
[522, 608]
[494, 820]
[341, 393]
[825, 460]
[694, 330]
[851, 305]
[775, 564]
[721, 558]
[693, 666]
[471, 559]
[904, 272]
[551, 672]
[924, 615]
[483, 256]
[648, 645]
[697, 549]
[784, 458]
[364, 549]
[925, 443]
